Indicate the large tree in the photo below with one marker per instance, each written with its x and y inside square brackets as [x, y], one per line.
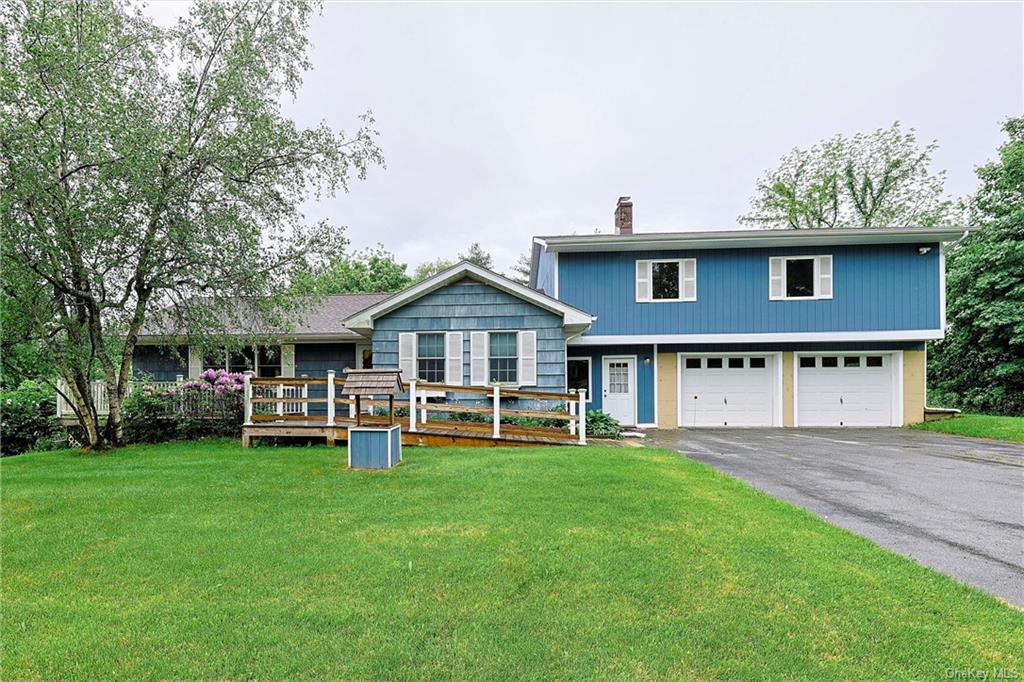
[372, 269]
[877, 179]
[980, 363]
[149, 176]
[521, 269]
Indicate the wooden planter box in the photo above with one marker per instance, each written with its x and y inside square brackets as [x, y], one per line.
[374, 447]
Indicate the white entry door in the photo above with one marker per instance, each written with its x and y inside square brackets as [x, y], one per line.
[845, 390]
[726, 391]
[618, 394]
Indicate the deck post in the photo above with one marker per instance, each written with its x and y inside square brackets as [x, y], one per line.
[305, 405]
[571, 405]
[412, 405]
[352, 407]
[497, 411]
[330, 397]
[280, 399]
[248, 399]
[583, 415]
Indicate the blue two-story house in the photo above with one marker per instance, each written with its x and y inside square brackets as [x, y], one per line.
[753, 327]
[686, 329]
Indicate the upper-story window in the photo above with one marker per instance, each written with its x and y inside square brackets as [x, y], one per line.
[663, 281]
[799, 278]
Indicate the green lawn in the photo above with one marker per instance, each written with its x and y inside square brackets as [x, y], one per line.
[979, 426]
[204, 560]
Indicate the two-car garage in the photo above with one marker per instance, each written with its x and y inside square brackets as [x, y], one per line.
[824, 389]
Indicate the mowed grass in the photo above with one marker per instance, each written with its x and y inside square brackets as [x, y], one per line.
[979, 426]
[204, 560]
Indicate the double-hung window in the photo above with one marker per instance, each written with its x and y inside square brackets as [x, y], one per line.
[795, 278]
[430, 357]
[666, 280]
[503, 358]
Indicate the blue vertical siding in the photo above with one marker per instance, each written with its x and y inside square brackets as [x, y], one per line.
[645, 379]
[546, 265]
[469, 306]
[159, 362]
[314, 359]
[875, 288]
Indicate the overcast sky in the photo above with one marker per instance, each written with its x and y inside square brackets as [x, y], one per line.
[500, 122]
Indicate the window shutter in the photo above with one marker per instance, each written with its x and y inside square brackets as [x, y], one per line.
[688, 272]
[453, 358]
[527, 359]
[195, 362]
[407, 355]
[776, 276]
[478, 358]
[643, 280]
[824, 264]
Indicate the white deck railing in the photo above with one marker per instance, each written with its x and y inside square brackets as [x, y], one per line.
[100, 399]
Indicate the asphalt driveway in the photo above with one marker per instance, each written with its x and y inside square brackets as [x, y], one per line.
[952, 503]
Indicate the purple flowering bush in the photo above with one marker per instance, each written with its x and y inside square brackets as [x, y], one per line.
[210, 405]
[219, 381]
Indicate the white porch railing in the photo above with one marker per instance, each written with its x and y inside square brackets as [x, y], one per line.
[101, 400]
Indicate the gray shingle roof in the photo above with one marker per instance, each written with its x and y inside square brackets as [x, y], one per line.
[326, 319]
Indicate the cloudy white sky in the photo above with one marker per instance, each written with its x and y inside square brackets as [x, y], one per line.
[503, 121]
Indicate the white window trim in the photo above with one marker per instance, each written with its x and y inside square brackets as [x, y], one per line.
[416, 357]
[590, 373]
[487, 359]
[816, 259]
[648, 264]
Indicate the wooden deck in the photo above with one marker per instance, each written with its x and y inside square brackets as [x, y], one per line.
[280, 408]
[450, 433]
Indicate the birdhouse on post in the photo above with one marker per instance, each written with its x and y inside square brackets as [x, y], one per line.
[374, 445]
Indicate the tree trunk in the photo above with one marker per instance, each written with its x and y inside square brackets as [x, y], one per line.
[85, 409]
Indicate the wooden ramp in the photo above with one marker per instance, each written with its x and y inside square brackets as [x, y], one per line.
[280, 408]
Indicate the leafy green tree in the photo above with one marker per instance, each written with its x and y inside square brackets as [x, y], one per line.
[372, 269]
[477, 256]
[521, 269]
[980, 363]
[430, 268]
[149, 176]
[878, 179]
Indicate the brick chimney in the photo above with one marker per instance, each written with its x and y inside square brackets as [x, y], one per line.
[624, 216]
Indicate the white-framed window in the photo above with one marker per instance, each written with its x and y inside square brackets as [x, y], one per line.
[430, 357]
[503, 357]
[433, 357]
[799, 278]
[578, 375]
[666, 280]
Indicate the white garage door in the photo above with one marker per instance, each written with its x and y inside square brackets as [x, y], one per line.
[725, 391]
[845, 390]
